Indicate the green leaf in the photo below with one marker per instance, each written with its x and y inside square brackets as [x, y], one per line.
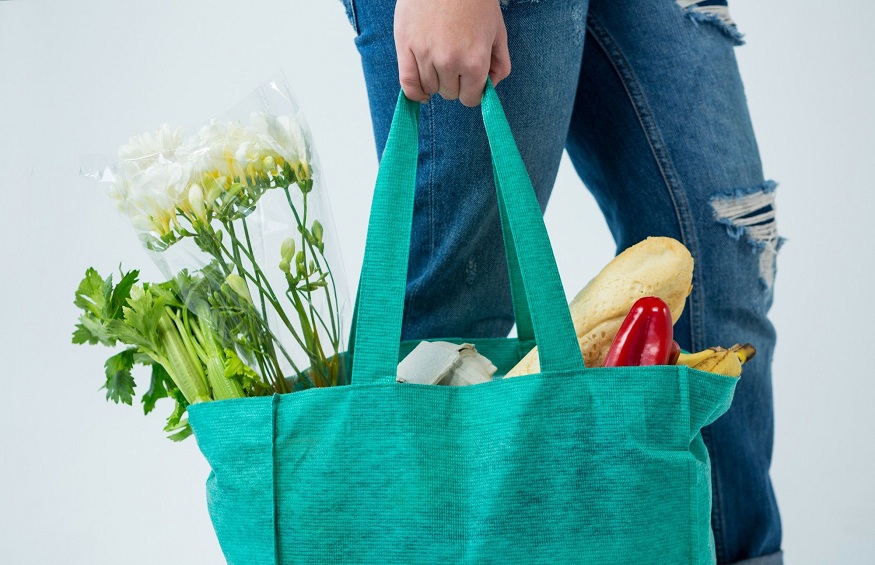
[106, 292]
[167, 292]
[143, 358]
[158, 387]
[236, 369]
[122, 292]
[173, 421]
[83, 335]
[142, 317]
[95, 329]
[122, 332]
[119, 382]
[89, 295]
[176, 423]
[184, 431]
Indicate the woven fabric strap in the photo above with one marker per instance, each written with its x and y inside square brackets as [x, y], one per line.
[380, 305]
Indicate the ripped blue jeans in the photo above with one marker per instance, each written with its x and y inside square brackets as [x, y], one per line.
[646, 97]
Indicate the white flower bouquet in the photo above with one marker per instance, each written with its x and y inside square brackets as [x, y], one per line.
[237, 220]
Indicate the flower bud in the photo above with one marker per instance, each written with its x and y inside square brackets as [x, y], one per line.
[196, 199]
[299, 263]
[234, 189]
[269, 164]
[285, 266]
[287, 250]
[317, 231]
[306, 185]
[239, 286]
[214, 187]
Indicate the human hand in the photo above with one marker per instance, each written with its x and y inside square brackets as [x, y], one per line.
[449, 47]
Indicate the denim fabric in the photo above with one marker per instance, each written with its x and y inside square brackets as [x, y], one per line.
[646, 98]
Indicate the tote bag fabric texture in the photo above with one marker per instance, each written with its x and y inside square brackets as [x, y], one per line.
[570, 465]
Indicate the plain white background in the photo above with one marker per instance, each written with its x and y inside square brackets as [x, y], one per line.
[85, 481]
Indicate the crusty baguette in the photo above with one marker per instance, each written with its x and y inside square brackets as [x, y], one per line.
[658, 266]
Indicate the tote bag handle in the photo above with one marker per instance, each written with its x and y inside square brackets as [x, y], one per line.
[380, 306]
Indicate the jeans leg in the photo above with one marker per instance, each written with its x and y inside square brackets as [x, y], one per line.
[661, 136]
[457, 277]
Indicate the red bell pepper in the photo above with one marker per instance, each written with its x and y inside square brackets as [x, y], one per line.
[674, 354]
[645, 338]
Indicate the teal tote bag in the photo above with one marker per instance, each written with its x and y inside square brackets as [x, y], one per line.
[571, 465]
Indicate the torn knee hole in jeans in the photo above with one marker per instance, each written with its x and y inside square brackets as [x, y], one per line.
[750, 213]
[715, 12]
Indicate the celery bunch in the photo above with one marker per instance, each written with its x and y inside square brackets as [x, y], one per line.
[191, 351]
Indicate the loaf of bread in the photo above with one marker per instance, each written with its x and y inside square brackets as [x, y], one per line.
[658, 266]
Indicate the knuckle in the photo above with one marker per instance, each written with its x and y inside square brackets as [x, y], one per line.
[475, 65]
[409, 81]
[446, 60]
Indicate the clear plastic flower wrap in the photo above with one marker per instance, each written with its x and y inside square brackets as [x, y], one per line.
[237, 218]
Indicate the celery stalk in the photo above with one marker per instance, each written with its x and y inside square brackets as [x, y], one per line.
[214, 359]
[185, 371]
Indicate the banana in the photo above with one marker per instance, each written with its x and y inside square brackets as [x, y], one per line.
[724, 362]
[719, 360]
[745, 352]
[693, 359]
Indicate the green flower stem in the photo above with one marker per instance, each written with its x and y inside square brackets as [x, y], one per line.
[314, 347]
[276, 379]
[275, 302]
[335, 341]
[257, 270]
[276, 342]
[271, 296]
[260, 355]
[280, 384]
[306, 244]
[230, 227]
[241, 257]
[265, 291]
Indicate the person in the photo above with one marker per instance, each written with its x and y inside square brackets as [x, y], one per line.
[646, 98]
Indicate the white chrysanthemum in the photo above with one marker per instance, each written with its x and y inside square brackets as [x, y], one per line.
[165, 145]
[228, 149]
[283, 135]
[234, 150]
[142, 151]
[153, 195]
[158, 170]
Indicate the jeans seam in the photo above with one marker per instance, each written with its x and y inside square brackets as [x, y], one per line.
[660, 154]
[682, 211]
[432, 240]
